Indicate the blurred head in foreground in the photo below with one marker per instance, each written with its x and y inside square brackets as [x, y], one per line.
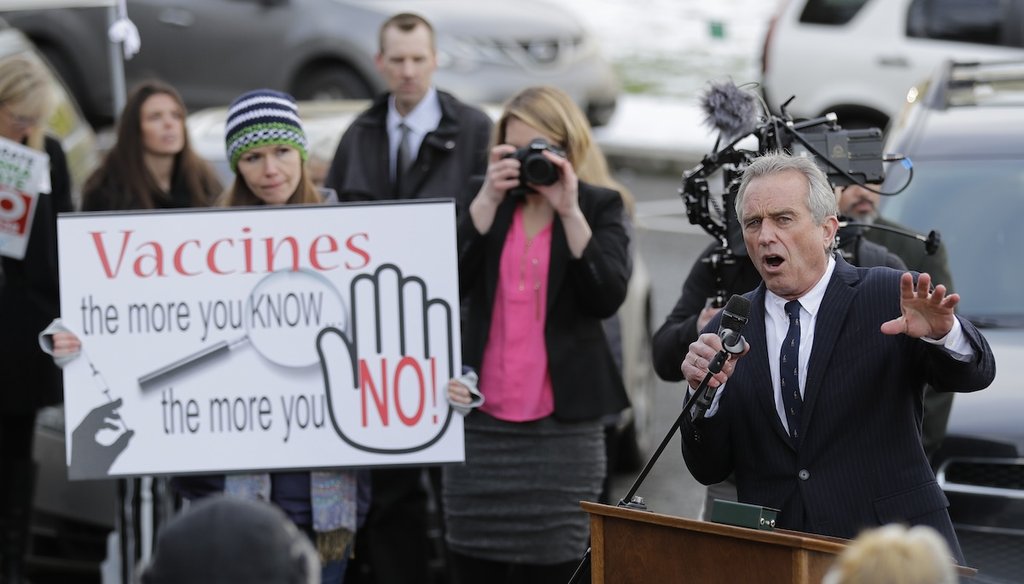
[224, 539]
[894, 554]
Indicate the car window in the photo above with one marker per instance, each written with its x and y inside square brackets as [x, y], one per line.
[830, 11]
[976, 206]
[987, 22]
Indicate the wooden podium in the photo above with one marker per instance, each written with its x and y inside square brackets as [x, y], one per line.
[628, 546]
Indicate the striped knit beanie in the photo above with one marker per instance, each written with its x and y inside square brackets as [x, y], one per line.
[261, 118]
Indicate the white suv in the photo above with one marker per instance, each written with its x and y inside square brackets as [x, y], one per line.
[858, 58]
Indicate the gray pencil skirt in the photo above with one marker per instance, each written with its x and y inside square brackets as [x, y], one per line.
[517, 498]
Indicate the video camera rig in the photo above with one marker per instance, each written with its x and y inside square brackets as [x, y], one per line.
[846, 156]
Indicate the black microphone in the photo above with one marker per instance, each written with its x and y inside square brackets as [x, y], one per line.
[734, 318]
[729, 109]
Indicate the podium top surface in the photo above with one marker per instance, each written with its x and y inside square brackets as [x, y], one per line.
[781, 537]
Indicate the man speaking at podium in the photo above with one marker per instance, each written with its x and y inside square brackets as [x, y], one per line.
[820, 417]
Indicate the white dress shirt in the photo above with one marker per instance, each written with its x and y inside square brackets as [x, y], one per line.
[422, 120]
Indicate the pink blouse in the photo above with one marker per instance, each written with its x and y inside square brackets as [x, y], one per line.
[514, 373]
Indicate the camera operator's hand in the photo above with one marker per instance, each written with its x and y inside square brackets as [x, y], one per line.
[705, 316]
[502, 175]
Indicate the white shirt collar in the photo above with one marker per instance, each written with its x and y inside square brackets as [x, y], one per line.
[423, 119]
[811, 301]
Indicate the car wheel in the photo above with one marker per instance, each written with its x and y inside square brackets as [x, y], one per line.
[334, 81]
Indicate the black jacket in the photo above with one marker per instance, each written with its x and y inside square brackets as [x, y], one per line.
[448, 157]
[581, 292]
[29, 300]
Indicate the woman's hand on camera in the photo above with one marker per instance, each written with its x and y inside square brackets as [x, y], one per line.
[502, 174]
[563, 195]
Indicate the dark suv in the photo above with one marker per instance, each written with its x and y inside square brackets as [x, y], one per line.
[963, 134]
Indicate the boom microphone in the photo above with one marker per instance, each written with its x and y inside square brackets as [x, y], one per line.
[729, 109]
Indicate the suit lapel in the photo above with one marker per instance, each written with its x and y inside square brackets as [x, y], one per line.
[839, 294]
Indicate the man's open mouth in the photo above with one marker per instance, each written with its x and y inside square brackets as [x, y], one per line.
[773, 261]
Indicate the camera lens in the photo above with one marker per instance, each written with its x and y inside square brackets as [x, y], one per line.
[538, 170]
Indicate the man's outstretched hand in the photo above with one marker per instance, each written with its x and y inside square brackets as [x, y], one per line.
[926, 312]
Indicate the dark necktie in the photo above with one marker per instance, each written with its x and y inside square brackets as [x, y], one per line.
[404, 157]
[789, 370]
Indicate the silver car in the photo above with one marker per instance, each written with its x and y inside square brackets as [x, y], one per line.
[213, 50]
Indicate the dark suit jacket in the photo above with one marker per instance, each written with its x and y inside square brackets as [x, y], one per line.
[581, 292]
[860, 462]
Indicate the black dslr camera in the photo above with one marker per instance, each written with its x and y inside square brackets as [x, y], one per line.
[534, 167]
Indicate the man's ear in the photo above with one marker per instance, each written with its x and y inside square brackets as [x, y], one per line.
[830, 227]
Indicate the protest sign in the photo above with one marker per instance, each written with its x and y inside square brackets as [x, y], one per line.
[24, 174]
[263, 338]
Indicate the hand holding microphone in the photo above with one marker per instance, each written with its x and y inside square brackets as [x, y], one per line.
[708, 364]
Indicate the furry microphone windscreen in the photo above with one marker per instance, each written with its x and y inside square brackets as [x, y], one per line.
[729, 109]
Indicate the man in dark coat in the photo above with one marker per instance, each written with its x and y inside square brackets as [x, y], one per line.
[821, 416]
[414, 142]
[444, 142]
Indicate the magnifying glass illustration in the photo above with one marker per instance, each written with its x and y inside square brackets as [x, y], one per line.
[282, 317]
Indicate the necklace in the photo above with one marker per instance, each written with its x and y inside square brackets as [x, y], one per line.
[535, 263]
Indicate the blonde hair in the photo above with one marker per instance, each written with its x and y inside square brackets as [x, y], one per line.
[27, 86]
[553, 112]
[893, 554]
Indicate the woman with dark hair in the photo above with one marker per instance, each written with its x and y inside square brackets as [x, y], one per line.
[29, 300]
[152, 165]
[542, 265]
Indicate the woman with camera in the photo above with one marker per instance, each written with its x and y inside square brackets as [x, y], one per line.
[541, 266]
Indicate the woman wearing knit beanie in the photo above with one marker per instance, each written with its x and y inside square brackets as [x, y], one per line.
[267, 150]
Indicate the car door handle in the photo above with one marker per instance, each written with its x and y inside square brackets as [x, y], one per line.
[893, 61]
[178, 17]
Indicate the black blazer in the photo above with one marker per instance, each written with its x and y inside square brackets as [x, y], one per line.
[29, 300]
[581, 292]
[860, 462]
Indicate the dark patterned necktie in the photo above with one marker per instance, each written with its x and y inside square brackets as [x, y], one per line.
[789, 370]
